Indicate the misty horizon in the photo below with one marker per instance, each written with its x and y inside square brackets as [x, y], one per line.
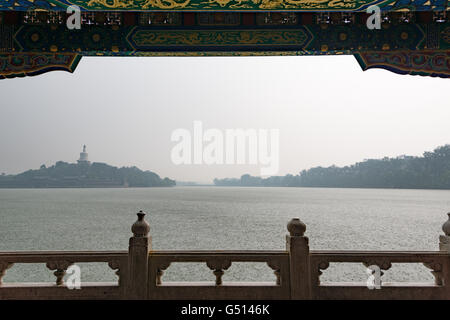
[125, 110]
[240, 175]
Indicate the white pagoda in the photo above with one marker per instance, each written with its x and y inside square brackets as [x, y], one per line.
[84, 157]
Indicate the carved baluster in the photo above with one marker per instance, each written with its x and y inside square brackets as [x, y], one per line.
[278, 275]
[276, 270]
[444, 246]
[321, 266]
[115, 265]
[218, 267]
[444, 240]
[218, 273]
[160, 272]
[436, 271]
[3, 267]
[60, 268]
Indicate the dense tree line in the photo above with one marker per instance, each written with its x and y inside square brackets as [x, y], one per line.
[430, 171]
[64, 174]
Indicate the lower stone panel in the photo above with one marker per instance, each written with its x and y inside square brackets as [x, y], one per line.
[14, 65]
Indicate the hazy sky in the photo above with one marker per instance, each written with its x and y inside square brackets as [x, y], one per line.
[125, 109]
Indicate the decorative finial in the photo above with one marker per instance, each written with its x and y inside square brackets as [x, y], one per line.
[296, 228]
[446, 226]
[140, 228]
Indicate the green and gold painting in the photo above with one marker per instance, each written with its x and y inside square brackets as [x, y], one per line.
[225, 5]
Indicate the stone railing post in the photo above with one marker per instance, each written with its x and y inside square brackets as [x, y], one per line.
[444, 241]
[139, 246]
[444, 245]
[299, 260]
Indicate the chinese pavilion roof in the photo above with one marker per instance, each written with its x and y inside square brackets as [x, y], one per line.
[414, 37]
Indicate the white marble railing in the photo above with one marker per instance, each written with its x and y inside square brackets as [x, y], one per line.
[218, 262]
[297, 272]
[437, 262]
[59, 262]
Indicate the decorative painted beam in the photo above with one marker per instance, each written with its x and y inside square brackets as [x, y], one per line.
[14, 65]
[225, 5]
[423, 63]
[313, 39]
[36, 42]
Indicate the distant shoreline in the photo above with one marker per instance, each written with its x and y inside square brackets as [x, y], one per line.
[356, 188]
[429, 172]
[218, 187]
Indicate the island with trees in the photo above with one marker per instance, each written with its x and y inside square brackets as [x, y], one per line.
[430, 171]
[84, 175]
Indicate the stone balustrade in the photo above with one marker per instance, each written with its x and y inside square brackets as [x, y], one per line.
[218, 262]
[437, 262]
[297, 272]
[59, 262]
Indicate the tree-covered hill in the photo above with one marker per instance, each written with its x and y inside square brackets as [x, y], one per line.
[72, 175]
[430, 171]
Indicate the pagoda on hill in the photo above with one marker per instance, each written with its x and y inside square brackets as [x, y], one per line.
[84, 159]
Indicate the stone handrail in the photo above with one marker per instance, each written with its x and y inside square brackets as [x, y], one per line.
[438, 263]
[297, 272]
[219, 262]
[59, 262]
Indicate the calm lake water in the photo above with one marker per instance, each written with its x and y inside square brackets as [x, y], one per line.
[221, 218]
